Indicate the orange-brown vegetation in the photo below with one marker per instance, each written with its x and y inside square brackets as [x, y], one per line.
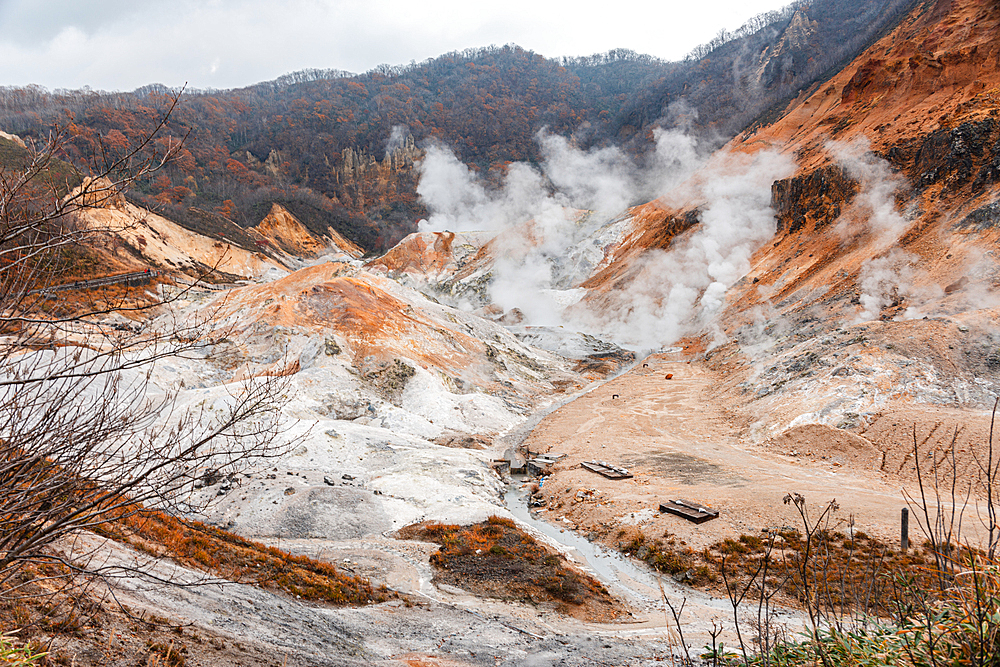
[849, 572]
[237, 559]
[496, 559]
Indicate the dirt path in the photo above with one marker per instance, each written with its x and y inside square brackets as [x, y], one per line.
[678, 444]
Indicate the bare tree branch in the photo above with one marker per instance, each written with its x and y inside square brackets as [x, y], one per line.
[85, 437]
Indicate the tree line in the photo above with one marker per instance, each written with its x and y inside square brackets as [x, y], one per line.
[284, 140]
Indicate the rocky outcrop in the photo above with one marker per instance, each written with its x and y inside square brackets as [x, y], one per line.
[356, 165]
[422, 253]
[283, 230]
[673, 226]
[97, 193]
[777, 62]
[953, 157]
[813, 200]
[271, 165]
[13, 137]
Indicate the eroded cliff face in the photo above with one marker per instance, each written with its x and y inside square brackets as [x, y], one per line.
[129, 237]
[287, 234]
[778, 63]
[359, 165]
[364, 183]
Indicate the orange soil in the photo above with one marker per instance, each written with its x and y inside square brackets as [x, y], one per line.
[682, 439]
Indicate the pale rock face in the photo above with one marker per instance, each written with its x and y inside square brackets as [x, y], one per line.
[97, 193]
[377, 372]
[13, 137]
[795, 37]
[166, 244]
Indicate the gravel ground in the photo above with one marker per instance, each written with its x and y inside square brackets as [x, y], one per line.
[256, 627]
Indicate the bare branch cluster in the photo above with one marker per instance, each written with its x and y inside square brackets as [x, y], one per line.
[86, 435]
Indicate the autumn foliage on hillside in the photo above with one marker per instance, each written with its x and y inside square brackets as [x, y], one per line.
[340, 151]
[294, 141]
[238, 559]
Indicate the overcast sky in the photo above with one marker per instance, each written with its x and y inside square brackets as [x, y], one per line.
[124, 44]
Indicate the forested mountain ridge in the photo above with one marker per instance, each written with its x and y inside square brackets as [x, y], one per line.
[338, 150]
[747, 77]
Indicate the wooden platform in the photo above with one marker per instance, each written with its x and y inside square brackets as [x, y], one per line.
[606, 469]
[686, 509]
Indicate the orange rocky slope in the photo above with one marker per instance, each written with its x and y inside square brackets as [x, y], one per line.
[924, 98]
[282, 229]
[373, 320]
[923, 101]
[888, 218]
[893, 246]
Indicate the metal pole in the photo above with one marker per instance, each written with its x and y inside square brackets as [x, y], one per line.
[904, 529]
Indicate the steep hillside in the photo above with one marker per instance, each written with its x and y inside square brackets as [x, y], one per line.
[741, 77]
[140, 239]
[891, 208]
[124, 237]
[877, 286]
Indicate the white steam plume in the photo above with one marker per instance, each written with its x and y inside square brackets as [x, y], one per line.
[676, 292]
[875, 203]
[604, 181]
[459, 202]
[894, 279]
[396, 138]
[887, 279]
[682, 290]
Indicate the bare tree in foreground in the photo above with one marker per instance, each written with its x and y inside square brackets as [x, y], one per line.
[86, 436]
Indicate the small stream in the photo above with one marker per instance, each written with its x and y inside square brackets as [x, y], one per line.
[622, 574]
[637, 584]
[625, 578]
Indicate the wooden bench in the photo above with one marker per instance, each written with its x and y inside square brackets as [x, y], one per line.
[606, 469]
[694, 512]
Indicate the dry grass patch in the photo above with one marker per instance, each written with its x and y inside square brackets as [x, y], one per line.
[238, 559]
[496, 559]
[846, 572]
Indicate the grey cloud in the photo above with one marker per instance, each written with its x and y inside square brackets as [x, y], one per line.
[30, 21]
[122, 44]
